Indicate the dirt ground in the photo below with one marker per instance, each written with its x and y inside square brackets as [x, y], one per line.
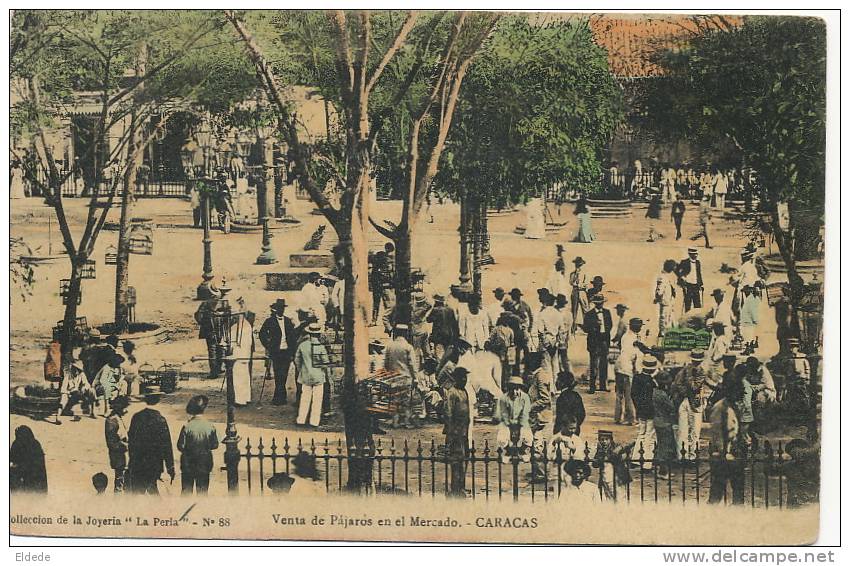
[166, 282]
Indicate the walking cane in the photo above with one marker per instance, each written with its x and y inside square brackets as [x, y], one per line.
[266, 376]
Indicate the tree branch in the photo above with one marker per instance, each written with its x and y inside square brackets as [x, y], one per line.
[397, 44]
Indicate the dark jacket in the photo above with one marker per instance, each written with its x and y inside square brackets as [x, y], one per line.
[684, 268]
[525, 313]
[597, 335]
[569, 406]
[116, 445]
[204, 317]
[150, 444]
[444, 329]
[270, 335]
[27, 471]
[642, 396]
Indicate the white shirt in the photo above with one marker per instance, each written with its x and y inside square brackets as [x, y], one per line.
[548, 321]
[627, 361]
[494, 311]
[475, 328]
[691, 277]
[558, 284]
[721, 184]
[281, 322]
[338, 294]
[721, 313]
[748, 274]
[665, 288]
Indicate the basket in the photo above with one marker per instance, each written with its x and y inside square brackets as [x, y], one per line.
[384, 392]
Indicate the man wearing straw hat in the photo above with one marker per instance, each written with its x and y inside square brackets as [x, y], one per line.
[401, 357]
[149, 446]
[687, 395]
[312, 375]
[578, 295]
[642, 393]
[514, 412]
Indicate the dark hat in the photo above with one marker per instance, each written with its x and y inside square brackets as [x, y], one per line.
[579, 260]
[197, 404]
[604, 435]
[597, 279]
[566, 380]
[313, 328]
[116, 360]
[730, 357]
[152, 394]
[280, 482]
[439, 298]
[515, 292]
[377, 346]
[621, 307]
[598, 298]
[279, 304]
[498, 290]
[305, 465]
[120, 402]
[693, 250]
[717, 292]
[575, 465]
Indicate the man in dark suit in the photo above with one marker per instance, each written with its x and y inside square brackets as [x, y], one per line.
[205, 318]
[149, 447]
[279, 337]
[597, 325]
[444, 327]
[689, 273]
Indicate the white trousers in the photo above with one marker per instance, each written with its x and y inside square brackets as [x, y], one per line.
[690, 425]
[503, 437]
[310, 405]
[646, 438]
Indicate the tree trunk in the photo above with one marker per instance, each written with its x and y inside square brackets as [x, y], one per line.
[134, 160]
[403, 267]
[69, 320]
[786, 249]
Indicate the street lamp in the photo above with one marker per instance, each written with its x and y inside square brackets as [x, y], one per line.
[264, 136]
[204, 137]
[228, 327]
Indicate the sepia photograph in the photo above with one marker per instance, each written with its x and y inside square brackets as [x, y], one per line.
[419, 276]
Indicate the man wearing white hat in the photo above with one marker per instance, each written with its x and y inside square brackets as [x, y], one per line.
[75, 389]
[311, 375]
[687, 393]
[643, 385]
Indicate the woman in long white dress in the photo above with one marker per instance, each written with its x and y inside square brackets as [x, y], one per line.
[17, 188]
[243, 350]
[535, 223]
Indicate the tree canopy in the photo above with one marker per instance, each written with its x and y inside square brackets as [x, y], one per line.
[762, 86]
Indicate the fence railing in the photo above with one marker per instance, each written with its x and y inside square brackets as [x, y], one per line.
[422, 468]
[156, 183]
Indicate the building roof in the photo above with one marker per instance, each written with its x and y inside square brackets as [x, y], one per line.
[631, 39]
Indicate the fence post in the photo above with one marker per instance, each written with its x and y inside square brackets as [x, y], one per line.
[515, 466]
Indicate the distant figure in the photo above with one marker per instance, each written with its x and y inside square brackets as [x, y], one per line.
[677, 213]
[456, 428]
[585, 233]
[116, 435]
[535, 223]
[27, 472]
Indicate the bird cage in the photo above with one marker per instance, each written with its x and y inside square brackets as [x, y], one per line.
[111, 257]
[64, 286]
[89, 271]
[81, 327]
[167, 377]
[334, 349]
[147, 376]
[141, 243]
[417, 280]
[384, 392]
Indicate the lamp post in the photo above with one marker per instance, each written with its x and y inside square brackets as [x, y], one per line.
[229, 326]
[204, 137]
[264, 136]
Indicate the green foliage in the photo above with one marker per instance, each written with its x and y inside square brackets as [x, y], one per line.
[538, 106]
[761, 86]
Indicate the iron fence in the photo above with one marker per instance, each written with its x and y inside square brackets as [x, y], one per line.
[156, 183]
[422, 468]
